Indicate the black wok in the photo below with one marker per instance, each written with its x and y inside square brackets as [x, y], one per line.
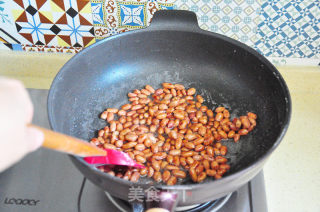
[174, 49]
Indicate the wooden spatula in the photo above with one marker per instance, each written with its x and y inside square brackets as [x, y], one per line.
[93, 155]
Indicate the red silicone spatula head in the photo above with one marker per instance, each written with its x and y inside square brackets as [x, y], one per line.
[114, 157]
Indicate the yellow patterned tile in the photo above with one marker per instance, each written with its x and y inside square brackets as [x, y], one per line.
[245, 29]
[204, 27]
[215, 19]
[225, 28]
[86, 9]
[217, 1]
[227, 10]
[249, 10]
[234, 36]
[54, 7]
[205, 8]
[16, 13]
[184, 7]
[239, 1]
[48, 15]
[236, 19]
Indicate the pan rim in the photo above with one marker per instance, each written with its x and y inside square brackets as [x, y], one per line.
[223, 180]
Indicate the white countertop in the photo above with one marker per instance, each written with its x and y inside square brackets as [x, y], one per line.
[292, 174]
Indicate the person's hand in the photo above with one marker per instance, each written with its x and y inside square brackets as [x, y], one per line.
[16, 111]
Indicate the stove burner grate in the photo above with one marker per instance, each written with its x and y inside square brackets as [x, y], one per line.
[212, 206]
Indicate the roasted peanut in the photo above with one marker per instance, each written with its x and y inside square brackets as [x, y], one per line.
[236, 137]
[140, 159]
[166, 175]
[135, 177]
[131, 137]
[219, 109]
[231, 134]
[157, 176]
[193, 174]
[214, 165]
[191, 137]
[176, 160]
[189, 160]
[223, 150]
[252, 115]
[156, 165]
[179, 173]
[206, 164]
[175, 152]
[201, 177]
[143, 171]
[150, 171]
[109, 146]
[221, 159]
[163, 164]
[172, 180]
[189, 145]
[129, 145]
[188, 134]
[191, 91]
[219, 117]
[187, 154]
[171, 167]
[179, 86]
[119, 143]
[126, 107]
[211, 172]
[178, 144]
[243, 132]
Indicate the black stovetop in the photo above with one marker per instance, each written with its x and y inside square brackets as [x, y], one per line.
[47, 181]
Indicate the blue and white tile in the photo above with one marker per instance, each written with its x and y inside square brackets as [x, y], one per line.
[132, 15]
[289, 61]
[233, 18]
[289, 29]
[113, 17]
[8, 31]
[97, 12]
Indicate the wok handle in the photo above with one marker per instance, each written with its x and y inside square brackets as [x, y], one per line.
[68, 144]
[174, 20]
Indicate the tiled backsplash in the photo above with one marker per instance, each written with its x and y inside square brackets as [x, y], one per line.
[275, 28]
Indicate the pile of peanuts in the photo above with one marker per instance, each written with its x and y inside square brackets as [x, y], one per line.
[172, 134]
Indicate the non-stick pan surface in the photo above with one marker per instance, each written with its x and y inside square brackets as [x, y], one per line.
[174, 49]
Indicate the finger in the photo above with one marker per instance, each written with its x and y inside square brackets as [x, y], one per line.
[34, 138]
[29, 107]
[27, 102]
[19, 97]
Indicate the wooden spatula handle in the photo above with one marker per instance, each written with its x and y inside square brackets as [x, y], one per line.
[68, 144]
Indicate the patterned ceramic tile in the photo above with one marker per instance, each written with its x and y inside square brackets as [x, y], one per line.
[9, 46]
[290, 61]
[4, 17]
[45, 48]
[233, 18]
[8, 32]
[55, 22]
[289, 29]
[111, 17]
[276, 28]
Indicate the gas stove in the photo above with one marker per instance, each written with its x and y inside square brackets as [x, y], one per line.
[47, 181]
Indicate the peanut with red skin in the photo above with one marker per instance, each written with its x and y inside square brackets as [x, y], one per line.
[169, 130]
